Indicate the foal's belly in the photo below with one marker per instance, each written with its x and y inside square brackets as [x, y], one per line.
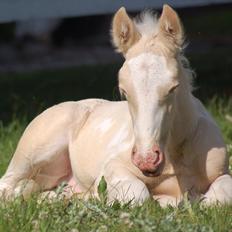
[107, 134]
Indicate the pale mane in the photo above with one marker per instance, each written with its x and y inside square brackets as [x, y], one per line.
[187, 71]
[147, 23]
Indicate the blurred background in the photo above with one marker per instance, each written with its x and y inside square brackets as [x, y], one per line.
[54, 51]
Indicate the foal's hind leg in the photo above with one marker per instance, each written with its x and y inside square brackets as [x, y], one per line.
[220, 191]
[44, 167]
[42, 152]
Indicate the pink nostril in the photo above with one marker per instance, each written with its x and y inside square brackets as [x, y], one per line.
[156, 149]
[134, 150]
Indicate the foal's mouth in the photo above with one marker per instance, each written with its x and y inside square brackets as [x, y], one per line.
[155, 173]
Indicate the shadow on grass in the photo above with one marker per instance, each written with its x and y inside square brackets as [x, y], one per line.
[27, 94]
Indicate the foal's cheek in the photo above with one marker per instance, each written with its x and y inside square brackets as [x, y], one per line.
[133, 110]
[169, 108]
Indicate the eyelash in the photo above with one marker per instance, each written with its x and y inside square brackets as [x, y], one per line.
[170, 92]
[123, 94]
[172, 89]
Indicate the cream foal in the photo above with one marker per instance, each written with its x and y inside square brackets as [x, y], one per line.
[161, 142]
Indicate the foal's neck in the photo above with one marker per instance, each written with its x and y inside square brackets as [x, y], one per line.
[185, 114]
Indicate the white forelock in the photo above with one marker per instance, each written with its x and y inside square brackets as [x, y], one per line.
[147, 23]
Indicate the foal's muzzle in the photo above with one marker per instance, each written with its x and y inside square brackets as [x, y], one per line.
[150, 163]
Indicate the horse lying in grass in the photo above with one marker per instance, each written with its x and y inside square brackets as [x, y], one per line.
[160, 143]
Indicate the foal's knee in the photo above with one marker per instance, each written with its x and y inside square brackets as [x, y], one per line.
[134, 191]
[165, 200]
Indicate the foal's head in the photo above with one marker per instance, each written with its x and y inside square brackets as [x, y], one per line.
[149, 79]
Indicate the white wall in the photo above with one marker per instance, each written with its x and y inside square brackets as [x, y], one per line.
[11, 10]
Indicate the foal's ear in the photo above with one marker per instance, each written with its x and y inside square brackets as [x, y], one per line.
[124, 32]
[171, 27]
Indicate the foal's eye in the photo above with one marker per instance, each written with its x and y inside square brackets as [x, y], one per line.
[123, 93]
[172, 89]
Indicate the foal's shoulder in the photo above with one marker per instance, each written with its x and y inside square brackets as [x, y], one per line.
[113, 109]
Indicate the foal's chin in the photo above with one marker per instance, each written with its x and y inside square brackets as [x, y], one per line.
[154, 173]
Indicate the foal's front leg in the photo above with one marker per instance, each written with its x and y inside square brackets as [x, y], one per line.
[220, 191]
[122, 185]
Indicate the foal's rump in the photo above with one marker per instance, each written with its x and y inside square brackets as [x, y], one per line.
[42, 152]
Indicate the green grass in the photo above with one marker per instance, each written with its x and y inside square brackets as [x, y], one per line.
[93, 215]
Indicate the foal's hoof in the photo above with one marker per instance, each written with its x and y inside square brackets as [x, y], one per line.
[25, 188]
[6, 191]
